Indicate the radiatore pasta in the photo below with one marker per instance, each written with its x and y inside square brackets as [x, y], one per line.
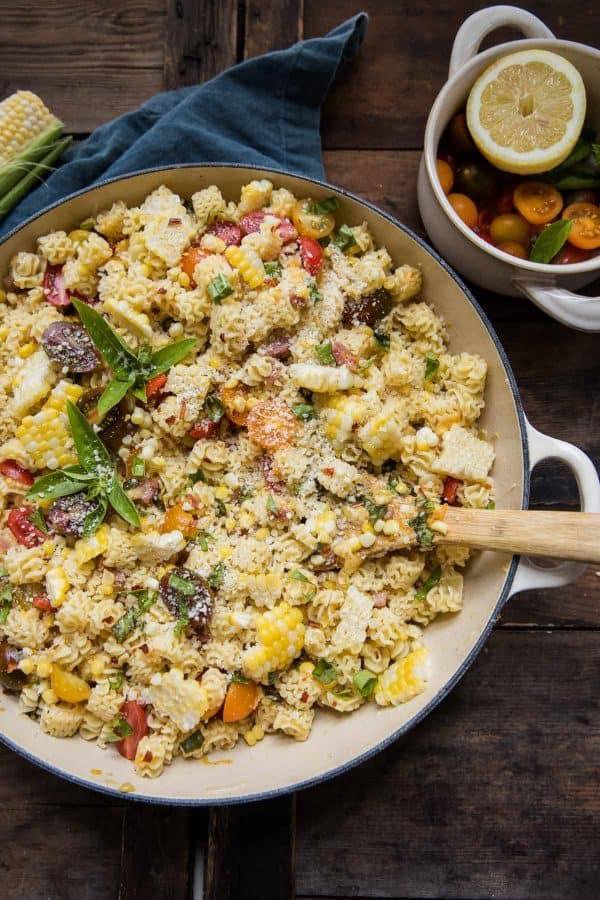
[221, 417]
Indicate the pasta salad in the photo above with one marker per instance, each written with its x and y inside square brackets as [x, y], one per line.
[228, 428]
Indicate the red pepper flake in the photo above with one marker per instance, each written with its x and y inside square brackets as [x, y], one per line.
[304, 697]
[144, 648]
[174, 221]
[42, 601]
[148, 756]
[328, 471]
[182, 409]
[170, 420]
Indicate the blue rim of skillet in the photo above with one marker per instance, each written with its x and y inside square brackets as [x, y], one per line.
[452, 682]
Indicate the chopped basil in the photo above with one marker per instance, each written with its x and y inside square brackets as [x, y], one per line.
[3, 572]
[430, 583]
[202, 540]
[214, 408]
[181, 585]
[6, 598]
[322, 207]
[432, 364]
[325, 672]
[375, 511]
[550, 241]
[303, 411]
[273, 269]
[219, 288]
[198, 476]
[491, 505]
[116, 682]
[382, 339]
[238, 678]
[308, 597]
[37, 518]
[120, 730]
[423, 532]
[325, 354]
[217, 576]
[127, 623]
[344, 239]
[192, 742]
[365, 682]
[245, 492]
[220, 508]
[138, 467]
[314, 292]
[272, 678]
[271, 505]
[397, 486]
[183, 619]
[297, 575]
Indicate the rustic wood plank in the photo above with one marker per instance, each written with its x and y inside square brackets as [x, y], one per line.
[251, 851]
[60, 854]
[495, 794]
[158, 851]
[89, 62]
[271, 25]
[201, 40]
[385, 96]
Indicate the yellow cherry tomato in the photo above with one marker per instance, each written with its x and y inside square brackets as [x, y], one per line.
[510, 228]
[464, 208]
[312, 224]
[69, 687]
[585, 230]
[514, 249]
[445, 175]
[537, 202]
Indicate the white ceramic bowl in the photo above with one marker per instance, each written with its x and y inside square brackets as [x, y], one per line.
[550, 287]
[337, 742]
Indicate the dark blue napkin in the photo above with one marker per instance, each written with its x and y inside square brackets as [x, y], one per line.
[265, 112]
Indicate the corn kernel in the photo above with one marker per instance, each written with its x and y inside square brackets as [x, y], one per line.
[225, 552]
[26, 350]
[57, 585]
[90, 547]
[97, 665]
[49, 697]
[222, 492]
[306, 667]
[184, 279]
[27, 665]
[390, 527]
[254, 735]
[262, 534]
[43, 668]
[367, 539]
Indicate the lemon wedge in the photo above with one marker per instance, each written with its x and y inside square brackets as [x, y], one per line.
[526, 111]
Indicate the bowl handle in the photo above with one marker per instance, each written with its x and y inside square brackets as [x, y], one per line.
[530, 574]
[575, 310]
[473, 30]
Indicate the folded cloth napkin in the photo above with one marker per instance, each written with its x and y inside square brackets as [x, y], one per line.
[265, 111]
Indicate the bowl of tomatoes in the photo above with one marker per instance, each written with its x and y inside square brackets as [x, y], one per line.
[518, 233]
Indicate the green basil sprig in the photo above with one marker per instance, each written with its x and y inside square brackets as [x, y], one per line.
[95, 475]
[132, 371]
[550, 241]
[581, 169]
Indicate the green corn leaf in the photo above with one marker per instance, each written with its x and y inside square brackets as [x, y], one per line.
[112, 348]
[113, 394]
[121, 504]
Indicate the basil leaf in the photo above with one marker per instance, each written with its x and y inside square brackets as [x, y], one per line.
[219, 288]
[112, 348]
[182, 621]
[322, 207]
[271, 505]
[297, 575]
[37, 519]
[238, 678]
[94, 518]
[375, 511]
[220, 508]
[77, 473]
[430, 583]
[579, 152]
[116, 683]
[550, 240]
[93, 455]
[56, 484]
[423, 532]
[382, 339]
[575, 182]
[214, 408]
[181, 585]
[120, 730]
[314, 293]
[113, 394]
[138, 389]
[303, 411]
[273, 269]
[596, 151]
[432, 364]
[193, 742]
[344, 239]
[217, 576]
[200, 475]
[325, 672]
[121, 504]
[365, 681]
[324, 354]
[170, 355]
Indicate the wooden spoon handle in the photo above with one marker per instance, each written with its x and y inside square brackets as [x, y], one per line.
[563, 535]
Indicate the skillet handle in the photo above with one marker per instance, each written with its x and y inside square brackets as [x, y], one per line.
[473, 30]
[530, 574]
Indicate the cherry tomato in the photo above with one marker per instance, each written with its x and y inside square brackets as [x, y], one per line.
[477, 180]
[54, 288]
[241, 700]
[537, 202]
[204, 429]
[585, 231]
[584, 196]
[287, 231]
[504, 202]
[460, 137]
[569, 254]
[311, 254]
[464, 208]
[15, 471]
[190, 260]
[155, 385]
[234, 401]
[513, 248]
[271, 424]
[313, 225]
[25, 532]
[228, 232]
[42, 601]
[135, 715]
[178, 519]
[251, 222]
[510, 227]
[451, 486]
[445, 175]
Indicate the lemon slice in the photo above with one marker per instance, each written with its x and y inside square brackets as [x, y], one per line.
[526, 111]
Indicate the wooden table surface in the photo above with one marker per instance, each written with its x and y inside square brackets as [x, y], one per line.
[496, 794]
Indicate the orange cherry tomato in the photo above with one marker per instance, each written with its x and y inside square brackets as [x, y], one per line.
[271, 425]
[233, 399]
[537, 202]
[190, 260]
[513, 248]
[510, 228]
[460, 137]
[178, 519]
[585, 231]
[241, 700]
[464, 208]
[569, 255]
[445, 175]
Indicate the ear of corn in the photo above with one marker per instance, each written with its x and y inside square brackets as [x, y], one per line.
[280, 638]
[380, 435]
[46, 435]
[248, 263]
[403, 680]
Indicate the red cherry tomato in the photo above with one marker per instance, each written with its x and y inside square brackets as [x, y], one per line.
[54, 288]
[287, 231]
[311, 254]
[504, 203]
[451, 486]
[42, 601]
[135, 715]
[570, 254]
[154, 386]
[14, 470]
[25, 531]
[205, 428]
[251, 222]
[228, 232]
